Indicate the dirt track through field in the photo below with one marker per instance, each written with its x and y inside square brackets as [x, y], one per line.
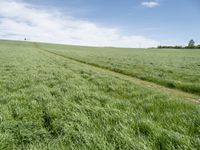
[150, 85]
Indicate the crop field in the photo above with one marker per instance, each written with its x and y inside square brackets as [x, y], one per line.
[71, 97]
[173, 68]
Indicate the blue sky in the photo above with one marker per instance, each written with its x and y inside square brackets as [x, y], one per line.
[172, 22]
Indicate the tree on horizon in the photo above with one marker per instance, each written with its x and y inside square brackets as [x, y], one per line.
[191, 43]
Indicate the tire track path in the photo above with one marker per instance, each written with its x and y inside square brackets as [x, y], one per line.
[191, 97]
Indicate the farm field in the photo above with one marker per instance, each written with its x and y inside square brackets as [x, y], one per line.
[65, 97]
[173, 68]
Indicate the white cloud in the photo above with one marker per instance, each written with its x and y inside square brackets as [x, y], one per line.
[150, 4]
[19, 20]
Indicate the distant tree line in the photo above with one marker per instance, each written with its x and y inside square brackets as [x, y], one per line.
[191, 45]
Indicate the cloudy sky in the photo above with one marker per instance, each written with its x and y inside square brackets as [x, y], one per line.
[121, 23]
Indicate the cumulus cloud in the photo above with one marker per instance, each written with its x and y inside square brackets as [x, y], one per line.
[19, 20]
[150, 4]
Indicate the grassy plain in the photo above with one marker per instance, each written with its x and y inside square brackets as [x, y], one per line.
[51, 102]
[173, 68]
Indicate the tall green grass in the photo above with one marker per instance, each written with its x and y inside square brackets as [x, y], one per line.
[173, 68]
[48, 102]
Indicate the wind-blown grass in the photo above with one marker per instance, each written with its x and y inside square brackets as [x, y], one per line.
[173, 68]
[48, 102]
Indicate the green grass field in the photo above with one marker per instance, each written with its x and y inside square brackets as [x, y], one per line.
[173, 68]
[48, 101]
